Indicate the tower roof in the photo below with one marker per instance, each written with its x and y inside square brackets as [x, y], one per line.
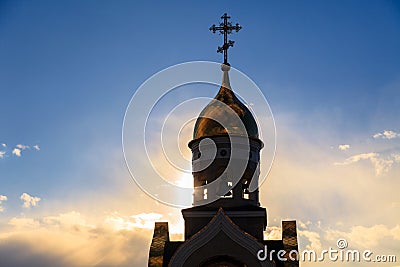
[217, 117]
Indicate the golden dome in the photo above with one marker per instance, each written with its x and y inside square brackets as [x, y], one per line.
[219, 112]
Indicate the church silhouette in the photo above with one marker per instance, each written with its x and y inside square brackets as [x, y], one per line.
[225, 226]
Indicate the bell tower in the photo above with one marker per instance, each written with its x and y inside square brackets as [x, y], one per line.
[226, 151]
[226, 164]
[225, 226]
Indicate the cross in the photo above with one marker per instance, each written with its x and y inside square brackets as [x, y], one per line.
[225, 28]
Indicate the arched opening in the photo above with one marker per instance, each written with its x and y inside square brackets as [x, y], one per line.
[222, 261]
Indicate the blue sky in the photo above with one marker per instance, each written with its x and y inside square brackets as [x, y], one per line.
[329, 69]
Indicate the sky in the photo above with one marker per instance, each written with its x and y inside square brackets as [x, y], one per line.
[330, 71]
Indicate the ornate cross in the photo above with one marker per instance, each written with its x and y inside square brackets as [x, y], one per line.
[225, 28]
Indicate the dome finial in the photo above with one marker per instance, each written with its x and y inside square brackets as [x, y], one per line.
[225, 76]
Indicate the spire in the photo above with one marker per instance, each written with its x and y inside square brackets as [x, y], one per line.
[225, 28]
[225, 76]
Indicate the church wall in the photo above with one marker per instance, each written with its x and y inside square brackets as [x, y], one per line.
[253, 224]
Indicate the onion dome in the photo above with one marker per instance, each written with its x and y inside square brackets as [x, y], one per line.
[217, 118]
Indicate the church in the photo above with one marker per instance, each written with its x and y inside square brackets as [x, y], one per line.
[225, 227]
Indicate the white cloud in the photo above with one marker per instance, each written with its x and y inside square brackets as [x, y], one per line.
[2, 153]
[72, 220]
[19, 148]
[273, 233]
[2, 198]
[304, 225]
[381, 165]
[343, 147]
[314, 239]
[142, 221]
[3, 145]
[358, 157]
[61, 221]
[17, 152]
[387, 134]
[29, 201]
[365, 237]
[396, 157]
[395, 232]
[24, 223]
[22, 147]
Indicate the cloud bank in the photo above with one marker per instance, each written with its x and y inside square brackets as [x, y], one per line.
[68, 239]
